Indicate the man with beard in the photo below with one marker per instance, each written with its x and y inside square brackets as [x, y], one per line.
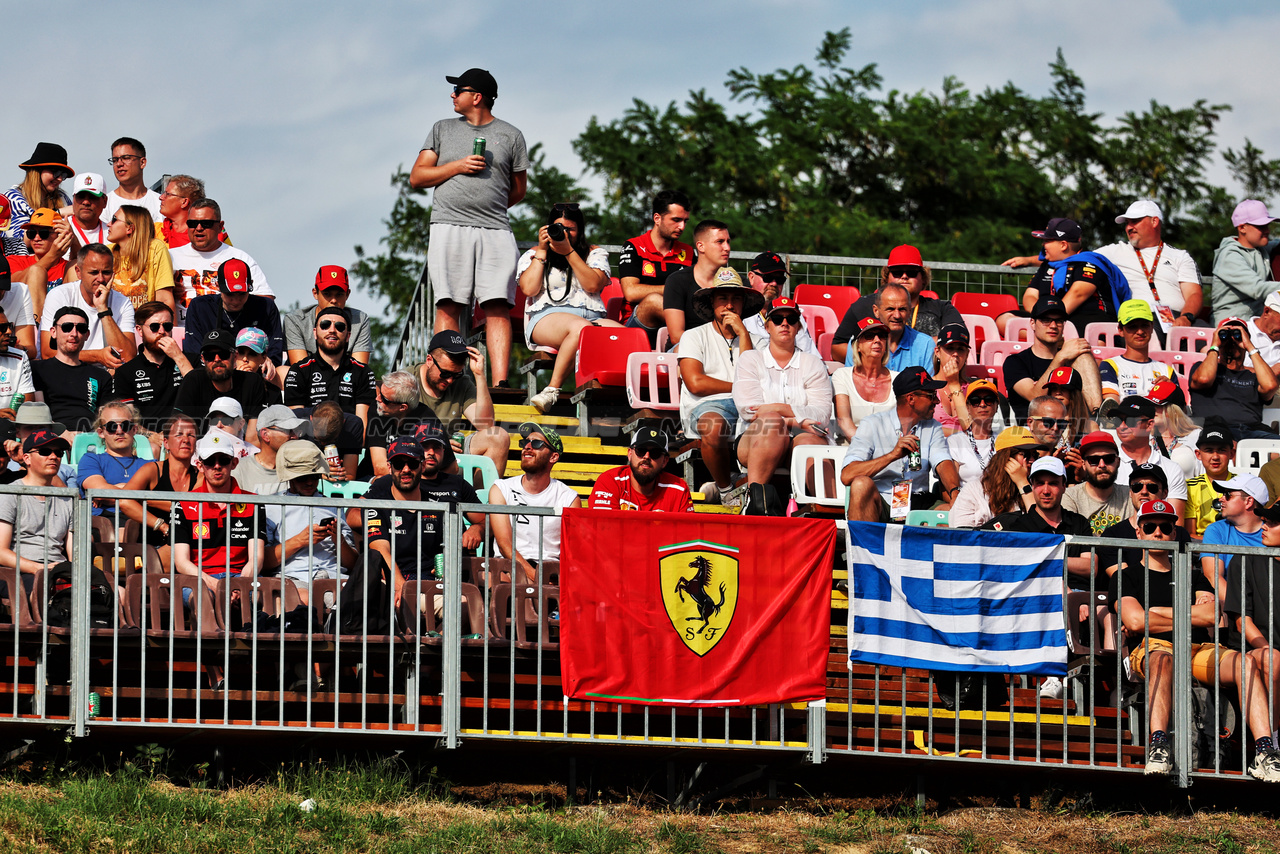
[1098, 499]
[535, 537]
[417, 474]
[202, 386]
[331, 374]
[235, 308]
[646, 262]
[1135, 417]
[461, 402]
[400, 413]
[150, 380]
[331, 289]
[1234, 381]
[196, 263]
[72, 388]
[642, 484]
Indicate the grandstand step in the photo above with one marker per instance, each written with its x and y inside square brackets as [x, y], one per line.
[585, 445]
[510, 413]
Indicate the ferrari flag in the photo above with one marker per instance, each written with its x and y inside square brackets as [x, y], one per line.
[694, 609]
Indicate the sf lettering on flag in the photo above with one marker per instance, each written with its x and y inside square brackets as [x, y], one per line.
[694, 610]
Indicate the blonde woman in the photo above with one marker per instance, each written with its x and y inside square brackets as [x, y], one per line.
[143, 271]
[1175, 433]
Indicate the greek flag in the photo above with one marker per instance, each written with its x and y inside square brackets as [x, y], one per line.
[951, 599]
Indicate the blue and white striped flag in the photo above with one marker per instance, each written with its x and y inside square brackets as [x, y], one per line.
[952, 599]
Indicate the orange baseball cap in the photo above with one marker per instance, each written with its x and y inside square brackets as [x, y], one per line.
[43, 218]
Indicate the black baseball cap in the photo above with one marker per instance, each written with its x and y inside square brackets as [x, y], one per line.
[1135, 406]
[1048, 305]
[1215, 431]
[647, 437]
[41, 438]
[1148, 471]
[450, 341]
[478, 79]
[768, 264]
[219, 339]
[915, 379]
[954, 333]
[1271, 512]
[404, 448]
[1060, 228]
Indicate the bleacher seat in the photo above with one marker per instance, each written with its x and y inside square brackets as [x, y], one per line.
[613, 300]
[653, 381]
[986, 372]
[988, 305]
[929, 518]
[602, 354]
[1019, 329]
[469, 464]
[348, 489]
[162, 619]
[419, 622]
[521, 621]
[1253, 454]
[1183, 361]
[819, 319]
[981, 330]
[1103, 334]
[838, 298]
[827, 490]
[1100, 353]
[662, 341]
[995, 352]
[1194, 338]
[823, 343]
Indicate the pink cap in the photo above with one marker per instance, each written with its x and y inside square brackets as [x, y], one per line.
[1251, 212]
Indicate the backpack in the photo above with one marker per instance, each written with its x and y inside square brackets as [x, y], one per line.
[57, 610]
[371, 583]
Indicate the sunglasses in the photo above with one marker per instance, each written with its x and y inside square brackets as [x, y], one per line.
[156, 327]
[565, 206]
[536, 444]
[905, 272]
[1052, 321]
[1132, 423]
[789, 319]
[382, 398]
[982, 400]
[879, 333]
[337, 324]
[458, 90]
[406, 463]
[446, 375]
[114, 427]
[1101, 459]
[220, 461]
[651, 452]
[203, 223]
[215, 356]
[6, 328]
[82, 328]
[1150, 528]
[1050, 423]
[247, 352]
[46, 451]
[39, 233]
[1144, 486]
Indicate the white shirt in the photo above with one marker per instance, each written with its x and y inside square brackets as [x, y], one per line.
[1126, 377]
[69, 294]
[85, 236]
[969, 464]
[15, 377]
[151, 201]
[718, 356]
[1172, 472]
[760, 336]
[536, 537]
[1269, 349]
[17, 305]
[1176, 265]
[197, 273]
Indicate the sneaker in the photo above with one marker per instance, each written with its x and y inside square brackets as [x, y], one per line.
[1159, 758]
[710, 492]
[1051, 688]
[733, 498]
[1266, 766]
[545, 399]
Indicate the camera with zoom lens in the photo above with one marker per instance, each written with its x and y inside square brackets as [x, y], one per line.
[555, 232]
[1231, 333]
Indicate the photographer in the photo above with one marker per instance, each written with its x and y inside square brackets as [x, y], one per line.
[1234, 382]
[562, 278]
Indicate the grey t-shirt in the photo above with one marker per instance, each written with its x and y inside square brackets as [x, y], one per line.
[300, 331]
[255, 477]
[476, 200]
[1101, 514]
[29, 530]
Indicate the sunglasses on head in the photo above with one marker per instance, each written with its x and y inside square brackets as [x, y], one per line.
[217, 461]
[565, 206]
[113, 427]
[909, 272]
[202, 223]
[157, 326]
[82, 328]
[535, 444]
[406, 463]
[1150, 528]
[1101, 459]
[337, 324]
[40, 233]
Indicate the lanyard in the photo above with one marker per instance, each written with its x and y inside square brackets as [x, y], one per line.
[84, 235]
[982, 464]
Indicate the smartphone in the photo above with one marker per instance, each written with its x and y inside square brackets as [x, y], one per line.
[820, 430]
[114, 352]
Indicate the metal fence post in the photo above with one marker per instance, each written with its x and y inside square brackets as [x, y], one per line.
[81, 561]
[818, 732]
[451, 702]
[1182, 734]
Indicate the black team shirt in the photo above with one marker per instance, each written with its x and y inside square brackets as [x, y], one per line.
[150, 387]
[312, 381]
[73, 393]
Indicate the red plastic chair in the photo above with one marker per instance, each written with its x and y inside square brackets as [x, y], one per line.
[653, 381]
[819, 319]
[602, 354]
[613, 290]
[838, 298]
[930, 294]
[986, 372]
[990, 305]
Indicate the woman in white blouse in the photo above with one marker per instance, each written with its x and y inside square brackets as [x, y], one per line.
[867, 386]
[973, 447]
[562, 280]
[783, 396]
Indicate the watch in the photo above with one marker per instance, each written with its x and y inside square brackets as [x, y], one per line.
[1189, 316]
[1212, 349]
[1026, 490]
[106, 312]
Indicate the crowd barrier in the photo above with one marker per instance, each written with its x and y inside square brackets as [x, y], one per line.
[488, 668]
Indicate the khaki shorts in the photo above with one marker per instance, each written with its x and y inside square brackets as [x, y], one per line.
[1202, 658]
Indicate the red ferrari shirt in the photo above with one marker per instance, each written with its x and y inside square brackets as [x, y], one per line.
[640, 260]
[614, 491]
[219, 540]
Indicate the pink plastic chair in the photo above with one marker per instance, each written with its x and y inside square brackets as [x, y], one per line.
[995, 352]
[819, 319]
[1193, 338]
[653, 381]
[1183, 361]
[1103, 334]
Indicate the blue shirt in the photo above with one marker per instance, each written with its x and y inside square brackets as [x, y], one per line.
[115, 470]
[915, 350]
[876, 436]
[1223, 533]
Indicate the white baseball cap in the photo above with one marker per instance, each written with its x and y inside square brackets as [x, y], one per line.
[218, 441]
[1273, 301]
[227, 406]
[1053, 465]
[1250, 484]
[89, 182]
[1140, 209]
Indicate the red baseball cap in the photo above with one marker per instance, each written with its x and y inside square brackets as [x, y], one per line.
[1065, 376]
[332, 276]
[869, 324]
[233, 277]
[1165, 391]
[905, 256]
[783, 303]
[1156, 508]
[1098, 437]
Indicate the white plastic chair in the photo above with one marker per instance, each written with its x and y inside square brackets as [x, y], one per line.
[802, 457]
[1253, 454]
[648, 374]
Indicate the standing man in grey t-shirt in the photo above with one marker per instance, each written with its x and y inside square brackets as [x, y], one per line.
[471, 251]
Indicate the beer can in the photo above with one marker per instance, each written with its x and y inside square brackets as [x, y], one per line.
[477, 146]
[332, 456]
[95, 704]
[439, 571]
[913, 461]
[456, 439]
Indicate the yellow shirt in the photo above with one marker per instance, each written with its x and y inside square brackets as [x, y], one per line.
[158, 275]
[1200, 498]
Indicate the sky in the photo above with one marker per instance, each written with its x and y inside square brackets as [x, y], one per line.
[297, 114]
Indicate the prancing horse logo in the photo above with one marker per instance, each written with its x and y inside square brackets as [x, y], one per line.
[699, 583]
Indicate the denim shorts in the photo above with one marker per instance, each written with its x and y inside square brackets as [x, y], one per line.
[585, 313]
[724, 407]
